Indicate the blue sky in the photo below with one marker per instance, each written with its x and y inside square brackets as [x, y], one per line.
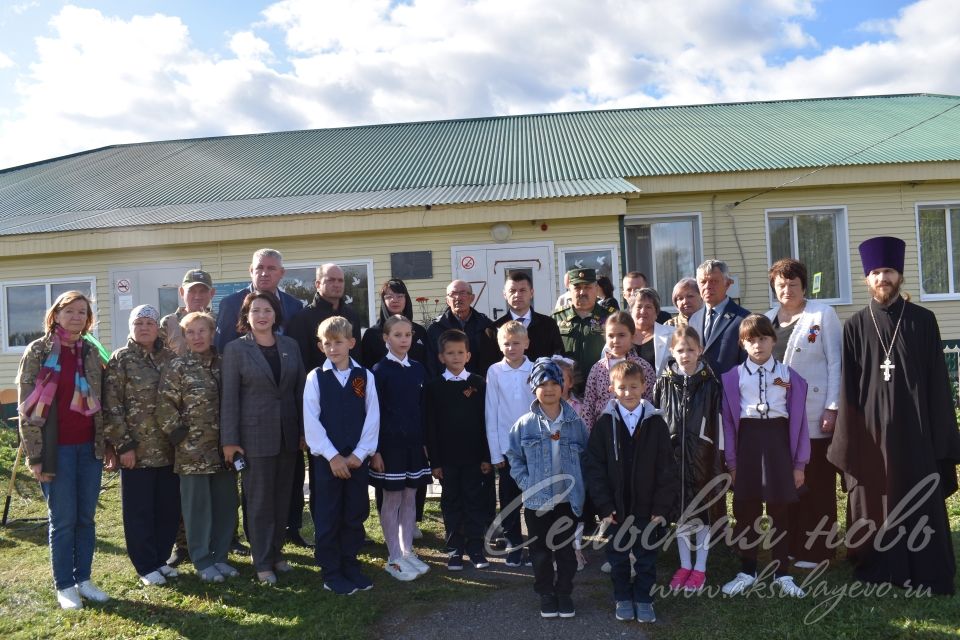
[78, 75]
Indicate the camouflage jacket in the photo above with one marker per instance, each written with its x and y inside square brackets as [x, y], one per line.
[172, 334]
[188, 411]
[583, 338]
[130, 403]
[33, 437]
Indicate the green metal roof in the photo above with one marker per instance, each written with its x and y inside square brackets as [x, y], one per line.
[457, 161]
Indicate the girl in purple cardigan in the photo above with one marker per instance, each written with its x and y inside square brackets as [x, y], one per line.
[766, 449]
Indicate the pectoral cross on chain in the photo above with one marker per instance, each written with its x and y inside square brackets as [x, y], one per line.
[887, 366]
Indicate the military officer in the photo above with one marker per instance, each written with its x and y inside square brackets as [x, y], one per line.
[581, 323]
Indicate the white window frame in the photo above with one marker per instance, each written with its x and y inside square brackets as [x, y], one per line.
[6, 284]
[653, 218]
[954, 286]
[842, 247]
[614, 264]
[373, 304]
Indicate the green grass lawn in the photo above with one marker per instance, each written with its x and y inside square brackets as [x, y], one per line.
[299, 608]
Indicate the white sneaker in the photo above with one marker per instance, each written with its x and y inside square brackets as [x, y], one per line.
[168, 571]
[90, 592]
[788, 587]
[606, 568]
[739, 584]
[210, 574]
[415, 563]
[805, 564]
[401, 570]
[69, 598]
[226, 570]
[153, 579]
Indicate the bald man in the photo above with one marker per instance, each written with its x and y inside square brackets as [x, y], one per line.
[460, 314]
[327, 302]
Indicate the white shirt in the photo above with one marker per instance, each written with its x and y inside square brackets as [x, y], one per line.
[403, 363]
[508, 398]
[631, 418]
[758, 386]
[524, 319]
[313, 430]
[450, 376]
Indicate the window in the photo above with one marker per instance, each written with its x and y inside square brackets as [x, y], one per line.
[601, 258]
[24, 305]
[938, 227]
[300, 282]
[818, 239]
[664, 248]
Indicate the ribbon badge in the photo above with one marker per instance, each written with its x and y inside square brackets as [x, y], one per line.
[469, 391]
[780, 382]
[814, 332]
[359, 387]
[555, 435]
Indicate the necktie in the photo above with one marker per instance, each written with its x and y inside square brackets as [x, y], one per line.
[708, 329]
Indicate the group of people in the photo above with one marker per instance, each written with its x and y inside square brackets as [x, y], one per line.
[633, 418]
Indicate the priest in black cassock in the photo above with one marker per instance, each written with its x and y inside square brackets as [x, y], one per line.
[896, 436]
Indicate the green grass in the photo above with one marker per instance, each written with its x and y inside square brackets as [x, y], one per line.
[299, 608]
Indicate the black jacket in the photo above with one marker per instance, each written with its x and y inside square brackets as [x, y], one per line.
[303, 329]
[654, 482]
[373, 349]
[544, 334]
[483, 352]
[691, 407]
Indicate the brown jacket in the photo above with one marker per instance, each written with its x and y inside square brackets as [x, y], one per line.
[40, 443]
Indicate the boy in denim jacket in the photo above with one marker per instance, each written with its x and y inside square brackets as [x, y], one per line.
[546, 446]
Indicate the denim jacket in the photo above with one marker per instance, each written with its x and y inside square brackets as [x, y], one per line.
[529, 456]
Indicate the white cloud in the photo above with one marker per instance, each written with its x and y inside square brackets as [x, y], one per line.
[98, 80]
[5, 61]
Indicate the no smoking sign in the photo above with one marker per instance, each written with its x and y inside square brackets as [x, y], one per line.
[467, 262]
[123, 285]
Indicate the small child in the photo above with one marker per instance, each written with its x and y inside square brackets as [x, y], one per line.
[508, 398]
[618, 329]
[341, 419]
[546, 445]
[632, 479]
[399, 467]
[458, 451]
[767, 447]
[688, 395]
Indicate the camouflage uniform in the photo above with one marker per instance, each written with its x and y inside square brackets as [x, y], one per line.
[188, 411]
[172, 334]
[583, 338]
[33, 436]
[678, 321]
[130, 403]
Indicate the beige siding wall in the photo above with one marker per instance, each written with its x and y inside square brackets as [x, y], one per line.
[229, 261]
[738, 234]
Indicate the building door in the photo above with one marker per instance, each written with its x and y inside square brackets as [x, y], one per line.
[133, 286]
[486, 267]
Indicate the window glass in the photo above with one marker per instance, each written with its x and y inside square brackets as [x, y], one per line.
[663, 249]
[813, 238]
[933, 245]
[25, 306]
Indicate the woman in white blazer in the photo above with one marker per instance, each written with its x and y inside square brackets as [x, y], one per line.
[809, 339]
[652, 339]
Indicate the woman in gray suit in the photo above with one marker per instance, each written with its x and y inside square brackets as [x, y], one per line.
[262, 396]
[809, 339]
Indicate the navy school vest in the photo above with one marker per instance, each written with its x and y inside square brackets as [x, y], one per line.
[343, 409]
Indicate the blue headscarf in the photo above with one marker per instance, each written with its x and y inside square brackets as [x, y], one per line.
[544, 370]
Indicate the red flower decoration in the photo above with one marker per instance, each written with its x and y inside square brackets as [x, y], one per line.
[555, 435]
[422, 299]
[469, 391]
[814, 332]
[359, 387]
[780, 382]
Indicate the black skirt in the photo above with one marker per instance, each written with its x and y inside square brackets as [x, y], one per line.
[404, 467]
[764, 461]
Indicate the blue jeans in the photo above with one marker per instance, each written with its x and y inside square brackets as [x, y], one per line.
[72, 505]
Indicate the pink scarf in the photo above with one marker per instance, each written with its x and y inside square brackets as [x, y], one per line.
[36, 407]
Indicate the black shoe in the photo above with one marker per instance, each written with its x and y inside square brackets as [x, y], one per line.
[548, 606]
[239, 548]
[479, 560]
[294, 538]
[565, 606]
[455, 562]
[178, 555]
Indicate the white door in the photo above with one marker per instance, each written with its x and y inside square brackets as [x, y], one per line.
[486, 268]
[133, 286]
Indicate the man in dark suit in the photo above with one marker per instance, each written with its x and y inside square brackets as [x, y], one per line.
[542, 330]
[266, 271]
[718, 320]
[327, 302]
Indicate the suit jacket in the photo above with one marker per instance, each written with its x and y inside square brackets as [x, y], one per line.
[814, 351]
[229, 311]
[543, 332]
[722, 350]
[255, 412]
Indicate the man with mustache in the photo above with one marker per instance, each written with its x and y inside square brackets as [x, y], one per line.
[581, 323]
[896, 438]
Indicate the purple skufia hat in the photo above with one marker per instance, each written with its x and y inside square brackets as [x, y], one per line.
[882, 252]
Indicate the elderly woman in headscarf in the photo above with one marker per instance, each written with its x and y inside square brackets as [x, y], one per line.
[149, 489]
[394, 299]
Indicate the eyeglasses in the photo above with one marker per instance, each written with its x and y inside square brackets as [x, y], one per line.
[459, 294]
[394, 297]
